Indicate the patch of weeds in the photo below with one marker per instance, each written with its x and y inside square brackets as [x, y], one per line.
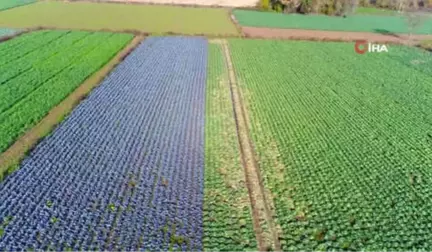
[38, 236]
[178, 240]
[319, 234]
[111, 207]
[54, 220]
[49, 203]
[6, 221]
[346, 244]
[300, 216]
[164, 182]
[132, 183]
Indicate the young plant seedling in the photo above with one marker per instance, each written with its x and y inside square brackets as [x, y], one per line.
[111, 207]
[164, 182]
[49, 203]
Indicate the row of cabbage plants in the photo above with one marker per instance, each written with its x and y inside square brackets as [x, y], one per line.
[343, 142]
[35, 80]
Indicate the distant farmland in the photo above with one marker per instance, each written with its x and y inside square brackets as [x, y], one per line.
[120, 17]
[7, 4]
[384, 24]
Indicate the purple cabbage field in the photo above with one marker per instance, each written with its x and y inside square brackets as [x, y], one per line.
[125, 170]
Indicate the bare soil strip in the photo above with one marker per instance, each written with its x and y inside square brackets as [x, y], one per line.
[297, 34]
[139, 33]
[266, 233]
[10, 159]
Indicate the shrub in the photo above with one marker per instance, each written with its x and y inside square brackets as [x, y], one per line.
[265, 4]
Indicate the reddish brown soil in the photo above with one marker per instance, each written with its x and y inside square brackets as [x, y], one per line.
[296, 34]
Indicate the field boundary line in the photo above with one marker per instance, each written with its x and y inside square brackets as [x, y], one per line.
[11, 158]
[235, 22]
[264, 225]
[135, 32]
[181, 5]
[19, 33]
[20, 5]
[273, 33]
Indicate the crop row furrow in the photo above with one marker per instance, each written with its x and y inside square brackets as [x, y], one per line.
[227, 208]
[11, 46]
[17, 67]
[42, 39]
[27, 82]
[32, 108]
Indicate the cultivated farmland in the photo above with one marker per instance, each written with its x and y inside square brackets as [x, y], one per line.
[125, 170]
[343, 142]
[120, 17]
[358, 23]
[216, 145]
[40, 69]
[7, 4]
[227, 208]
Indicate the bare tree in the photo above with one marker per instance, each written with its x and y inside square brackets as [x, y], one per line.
[351, 7]
[401, 5]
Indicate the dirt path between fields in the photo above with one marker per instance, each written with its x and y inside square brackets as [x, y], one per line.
[264, 226]
[10, 159]
[298, 34]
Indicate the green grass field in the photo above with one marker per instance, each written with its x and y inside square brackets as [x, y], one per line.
[7, 4]
[227, 211]
[40, 69]
[359, 23]
[344, 142]
[119, 17]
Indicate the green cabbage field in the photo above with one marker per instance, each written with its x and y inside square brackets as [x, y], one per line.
[227, 214]
[40, 69]
[344, 142]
